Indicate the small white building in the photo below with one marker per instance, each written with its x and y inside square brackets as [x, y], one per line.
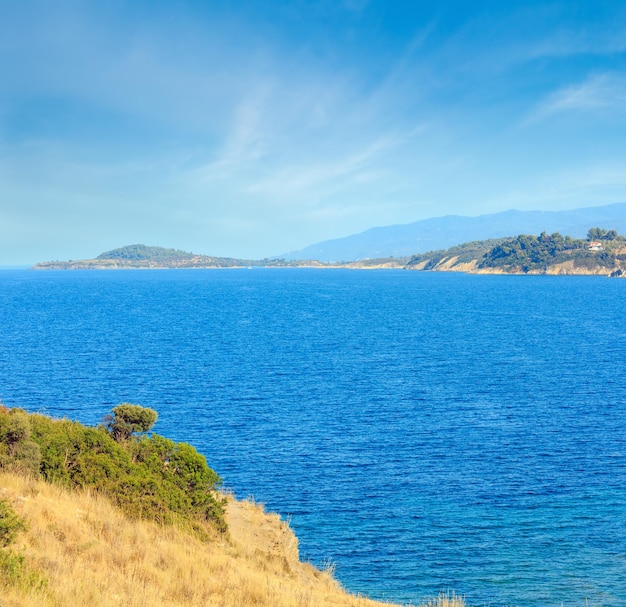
[594, 245]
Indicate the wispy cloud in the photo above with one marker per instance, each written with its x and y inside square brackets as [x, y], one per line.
[245, 142]
[603, 38]
[598, 92]
[297, 179]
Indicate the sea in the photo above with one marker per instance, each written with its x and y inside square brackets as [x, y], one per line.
[420, 432]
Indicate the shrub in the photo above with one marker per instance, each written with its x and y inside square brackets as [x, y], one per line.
[10, 523]
[14, 570]
[146, 476]
[18, 452]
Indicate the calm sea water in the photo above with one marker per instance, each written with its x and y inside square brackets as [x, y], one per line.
[424, 432]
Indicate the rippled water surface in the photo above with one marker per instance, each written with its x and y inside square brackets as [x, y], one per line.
[425, 432]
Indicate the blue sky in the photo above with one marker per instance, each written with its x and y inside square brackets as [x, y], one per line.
[249, 129]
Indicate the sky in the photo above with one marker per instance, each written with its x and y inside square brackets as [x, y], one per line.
[253, 128]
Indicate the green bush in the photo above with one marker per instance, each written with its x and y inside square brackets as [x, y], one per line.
[188, 480]
[18, 452]
[14, 569]
[10, 523]
[148, 477]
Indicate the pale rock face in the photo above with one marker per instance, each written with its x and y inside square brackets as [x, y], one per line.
[567, 268]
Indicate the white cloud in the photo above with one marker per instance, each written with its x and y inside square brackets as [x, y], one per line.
[297, 179]
[244, 144]
[597, 92]
[594, 39]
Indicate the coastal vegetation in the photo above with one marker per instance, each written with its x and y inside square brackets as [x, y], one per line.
[139, 256]
[528, 253]
[102, 517]
[603, 252]
[137, 252]
[147, 477]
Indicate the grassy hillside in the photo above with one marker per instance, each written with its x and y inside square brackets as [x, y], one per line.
[69, 536]
[81, 550]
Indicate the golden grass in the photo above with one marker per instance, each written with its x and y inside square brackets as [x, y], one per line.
[93, 556]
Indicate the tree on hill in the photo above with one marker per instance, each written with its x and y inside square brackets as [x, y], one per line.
[600, 234]
[128, 419]
[597, 234]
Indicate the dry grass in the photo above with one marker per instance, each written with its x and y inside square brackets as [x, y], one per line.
[93, 556]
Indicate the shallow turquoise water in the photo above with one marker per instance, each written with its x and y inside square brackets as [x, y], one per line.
[425, 432]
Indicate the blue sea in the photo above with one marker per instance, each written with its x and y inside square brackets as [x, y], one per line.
[423, 432]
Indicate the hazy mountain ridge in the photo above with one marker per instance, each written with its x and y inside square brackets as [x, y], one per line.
[441, 233]
[388, 247]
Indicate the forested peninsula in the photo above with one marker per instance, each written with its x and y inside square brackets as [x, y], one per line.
[114, 515]
[602, 253]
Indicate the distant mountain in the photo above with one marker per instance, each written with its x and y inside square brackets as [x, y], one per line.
[445, 232]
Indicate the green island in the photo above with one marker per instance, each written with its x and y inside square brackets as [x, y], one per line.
[603, 252]
[115, 515]
[139, 256]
